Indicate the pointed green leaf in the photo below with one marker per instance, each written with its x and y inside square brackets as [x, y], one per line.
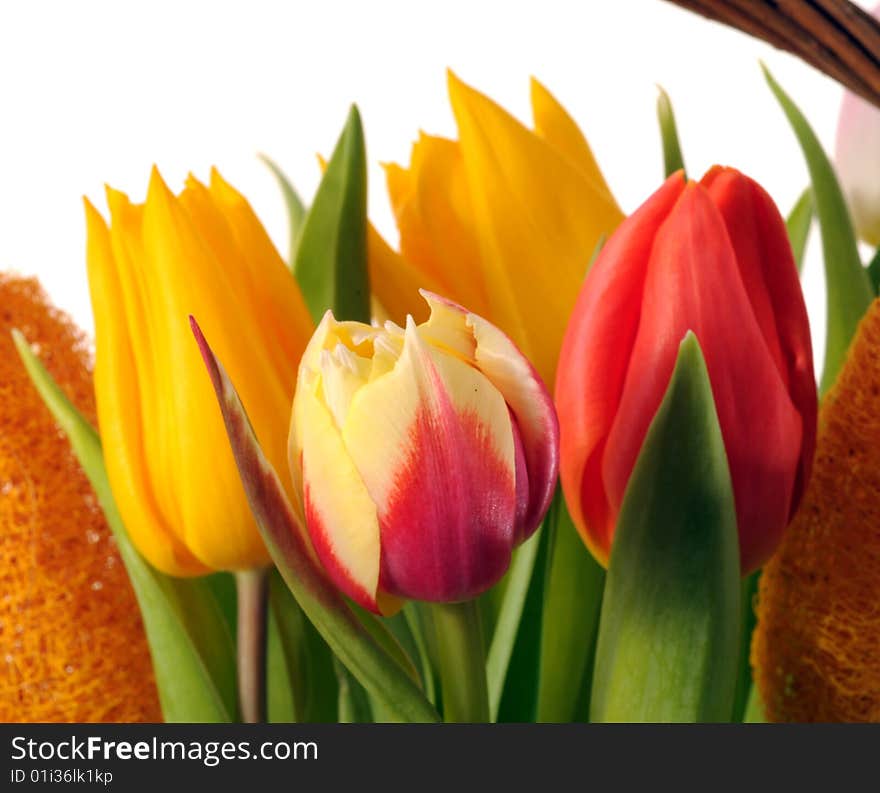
[193, 653]
[509, 615]
[413, 618]
[669, 631]
[798, 225]
[281, 707]
[572, 598]
[673, 160]
[848, 287]
[296, 209]
[301, 681]
[747, 624]
[378, 672]
[354, 702]
[519, 697]
[754, 708]
[873, 269]
[331, 257]
[386, 639]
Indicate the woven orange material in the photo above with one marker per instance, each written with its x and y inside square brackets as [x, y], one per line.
[72, 647]
[816, 650]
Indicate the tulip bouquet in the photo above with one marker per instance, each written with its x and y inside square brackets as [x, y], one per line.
[544, 462]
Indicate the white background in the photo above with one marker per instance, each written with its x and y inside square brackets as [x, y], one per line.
[96, 92]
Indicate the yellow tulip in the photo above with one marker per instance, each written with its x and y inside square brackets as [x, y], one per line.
[202, 253]
[504, 220]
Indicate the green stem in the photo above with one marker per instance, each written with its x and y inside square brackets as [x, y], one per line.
[462, 657]
[253, 591]
[748, 621]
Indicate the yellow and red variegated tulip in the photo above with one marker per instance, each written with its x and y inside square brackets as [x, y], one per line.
[422, 455]
[710, 257]
[168, 459]
[503, 220]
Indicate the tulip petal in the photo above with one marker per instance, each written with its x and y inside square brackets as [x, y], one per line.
[536, 428]
[535, 210]
[559, 129]
[857, 159]
[209, 496]
[432, 441]
[340, 515]
[692, 264]
[273, 293]
[395, 281]
[770, 276]
[432, 207]
[122, 434]
[593, 363]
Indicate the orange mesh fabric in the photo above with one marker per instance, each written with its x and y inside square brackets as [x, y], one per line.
[816, 649]
[72, 646]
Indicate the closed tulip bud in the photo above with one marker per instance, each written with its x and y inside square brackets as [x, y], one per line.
[857, 158]
[202, 253]
[422, 456]
[713, 258]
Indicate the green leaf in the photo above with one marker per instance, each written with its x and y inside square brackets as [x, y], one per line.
[748, 622]
[669, 630]
[378, 672]
[302, 684]
[296, 209]
[848, 287]
[673, 160]
[281, 705]
[387, 640]
[798, 225]
[192, 650]
[462, 661]
[509, 614]
[331, 257]
[572, 598]
[754, 708]
[414, 620]
[519, 698]
[354, 702]
[873, 270]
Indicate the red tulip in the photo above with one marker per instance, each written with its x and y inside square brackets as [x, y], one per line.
[711, 257]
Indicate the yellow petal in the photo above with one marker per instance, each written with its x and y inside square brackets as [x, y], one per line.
[120, 405]
[539, 221]
[394, 281]
[194, 458]
[432, 207]
[554, 125]
[276, 295]
[340, 515]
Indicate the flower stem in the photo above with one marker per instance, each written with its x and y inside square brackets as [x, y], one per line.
[252, 587]
[462, 657]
